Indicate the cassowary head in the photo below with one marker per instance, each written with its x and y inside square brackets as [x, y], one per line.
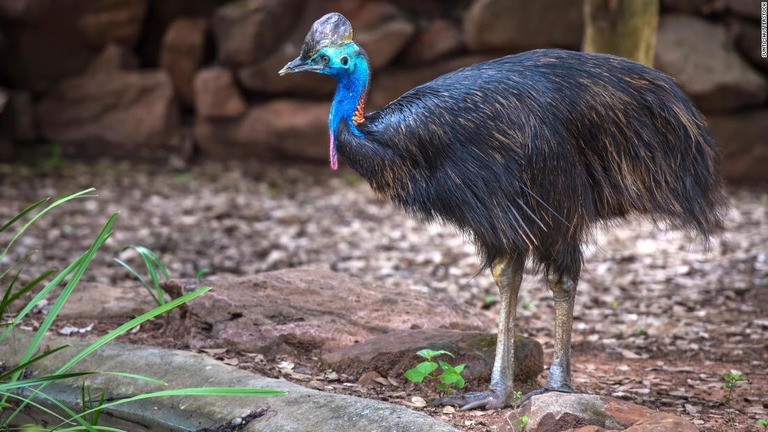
[328, 48]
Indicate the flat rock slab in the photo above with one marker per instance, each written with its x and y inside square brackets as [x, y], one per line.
[300, 409]
[393, 353]
[95, 300]
[558, 412]
[301, 311]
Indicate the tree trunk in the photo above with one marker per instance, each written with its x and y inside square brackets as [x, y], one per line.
[625, 28]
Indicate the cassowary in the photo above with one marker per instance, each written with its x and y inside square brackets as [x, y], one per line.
[525, 154]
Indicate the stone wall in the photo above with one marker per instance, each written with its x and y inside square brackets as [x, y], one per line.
[148, 77]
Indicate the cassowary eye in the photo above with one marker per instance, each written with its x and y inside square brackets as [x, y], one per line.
[344, 60]
[325, 59]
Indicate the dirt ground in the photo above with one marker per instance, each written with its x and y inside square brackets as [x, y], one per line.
[659, 318]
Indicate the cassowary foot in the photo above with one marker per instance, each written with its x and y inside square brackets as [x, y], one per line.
[526, 397]
[467, 401]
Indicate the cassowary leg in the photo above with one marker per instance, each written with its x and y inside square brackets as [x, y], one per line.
[564, 293]
[508, 273]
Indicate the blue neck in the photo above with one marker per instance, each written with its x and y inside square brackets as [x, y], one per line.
[352, 85]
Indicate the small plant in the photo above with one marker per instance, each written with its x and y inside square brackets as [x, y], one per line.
[763, 423]
[731, 380]
[449, 379]
[155, 267]
[523, 422]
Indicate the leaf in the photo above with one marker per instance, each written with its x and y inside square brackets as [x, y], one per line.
[452, 377]
[429, 354]
[421, 371]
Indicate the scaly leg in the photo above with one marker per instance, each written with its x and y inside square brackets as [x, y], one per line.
[564, 293]
[508, 273]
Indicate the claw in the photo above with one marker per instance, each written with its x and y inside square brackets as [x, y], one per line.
[467, 401]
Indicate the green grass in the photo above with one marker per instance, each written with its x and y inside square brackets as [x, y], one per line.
[44, 285]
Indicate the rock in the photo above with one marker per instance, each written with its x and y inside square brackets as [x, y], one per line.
[552, 412]
[559, 412]
[700, 56]
[391, 354]
[301, 311]
[391, 83]
[111, 112]
[299, 409]
[42, 45]
[248, 30]
[438, 39]
[661, 422]
[746, 8]
[182, 52]
[281, 128]
[743, 140]
[261, 77]
[216, 95]
[744, 34]
[160, 15]
[114, 302]
[382, 31]
[17, 118]
[693, 7]
[111, 21]
[520, 25]
[113, 58]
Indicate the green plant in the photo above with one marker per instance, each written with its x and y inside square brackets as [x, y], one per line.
[13, 380]
[762, 422]
[523, 422]
[449, 378]
[730, 381]
[200, 273]
[154, 267]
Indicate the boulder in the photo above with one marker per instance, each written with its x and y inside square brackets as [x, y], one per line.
[248, 30]
[439, 38]
[160, 15]
[261, 77]
[50, 40]
[113, 58]
[744, 34]
[182, 52]
[743, 140]
[745, 8]
[382, 31]
[702, 58]
[517, 25]
[693, 7]
[111, 112]
[393, 353]
[17, 118]
[111, 21]
[216, 95]
[303, 311]
[552, 412]
[280, 128]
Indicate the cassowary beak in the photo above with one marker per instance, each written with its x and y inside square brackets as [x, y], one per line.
[298, 65]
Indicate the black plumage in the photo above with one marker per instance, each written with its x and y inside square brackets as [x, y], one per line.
[526, 154]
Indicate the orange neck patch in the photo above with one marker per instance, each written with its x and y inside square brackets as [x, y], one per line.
[359, 115]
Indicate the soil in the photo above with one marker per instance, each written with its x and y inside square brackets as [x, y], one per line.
[660, 318]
